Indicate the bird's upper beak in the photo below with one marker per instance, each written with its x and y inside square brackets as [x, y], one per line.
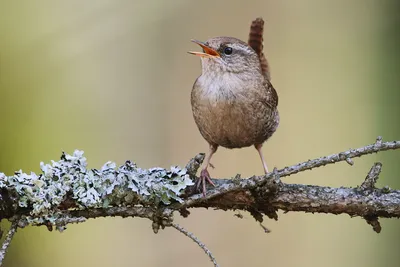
[208, 51]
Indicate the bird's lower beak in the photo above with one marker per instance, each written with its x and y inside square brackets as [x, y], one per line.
[207, 51]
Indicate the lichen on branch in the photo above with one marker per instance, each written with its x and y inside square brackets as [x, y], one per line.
[68, 183]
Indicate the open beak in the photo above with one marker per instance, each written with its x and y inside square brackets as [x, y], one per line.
[207, 51]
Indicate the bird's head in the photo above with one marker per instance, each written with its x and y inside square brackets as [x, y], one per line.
[227, 54]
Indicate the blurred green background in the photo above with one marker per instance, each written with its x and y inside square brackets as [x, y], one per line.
[113, 78]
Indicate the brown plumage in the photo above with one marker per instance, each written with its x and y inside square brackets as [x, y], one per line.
[256, 42]
[233, 102]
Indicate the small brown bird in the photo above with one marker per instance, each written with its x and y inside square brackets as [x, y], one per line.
[233, 102]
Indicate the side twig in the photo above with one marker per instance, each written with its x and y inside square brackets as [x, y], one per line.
[7, 240]
[372, 176]
[197, 241]
[369, 185]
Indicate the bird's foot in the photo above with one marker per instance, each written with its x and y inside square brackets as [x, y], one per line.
[203, 179]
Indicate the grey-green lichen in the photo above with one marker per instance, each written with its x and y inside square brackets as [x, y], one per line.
[69, 178]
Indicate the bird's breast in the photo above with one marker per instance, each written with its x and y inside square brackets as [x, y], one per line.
[231, 113]
[217, 89]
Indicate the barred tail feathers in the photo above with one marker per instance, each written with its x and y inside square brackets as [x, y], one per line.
[256, 42]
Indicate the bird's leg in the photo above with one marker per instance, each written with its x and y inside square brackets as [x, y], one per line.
[258, 147]
[204, 175]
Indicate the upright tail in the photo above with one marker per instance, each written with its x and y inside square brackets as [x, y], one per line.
[256, 42]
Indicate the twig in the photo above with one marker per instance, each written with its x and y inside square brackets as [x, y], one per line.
[350, 161]
[372, 176]
[257, 181]
[266, 230]
[342, 156]
[195, 163]
[7, 240]
[197, 241]
[374, 222]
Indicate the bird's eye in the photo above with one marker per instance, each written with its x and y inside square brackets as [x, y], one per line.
[228, 50]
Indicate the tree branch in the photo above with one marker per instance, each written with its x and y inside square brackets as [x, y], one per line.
[67, 192]
[75, 192]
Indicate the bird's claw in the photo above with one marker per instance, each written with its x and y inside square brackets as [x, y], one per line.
[204, 178]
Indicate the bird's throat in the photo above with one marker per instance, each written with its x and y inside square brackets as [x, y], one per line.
[223, 87]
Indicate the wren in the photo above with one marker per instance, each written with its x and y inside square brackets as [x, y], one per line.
[233, 101]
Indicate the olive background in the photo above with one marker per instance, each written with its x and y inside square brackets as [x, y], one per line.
[113, 78]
